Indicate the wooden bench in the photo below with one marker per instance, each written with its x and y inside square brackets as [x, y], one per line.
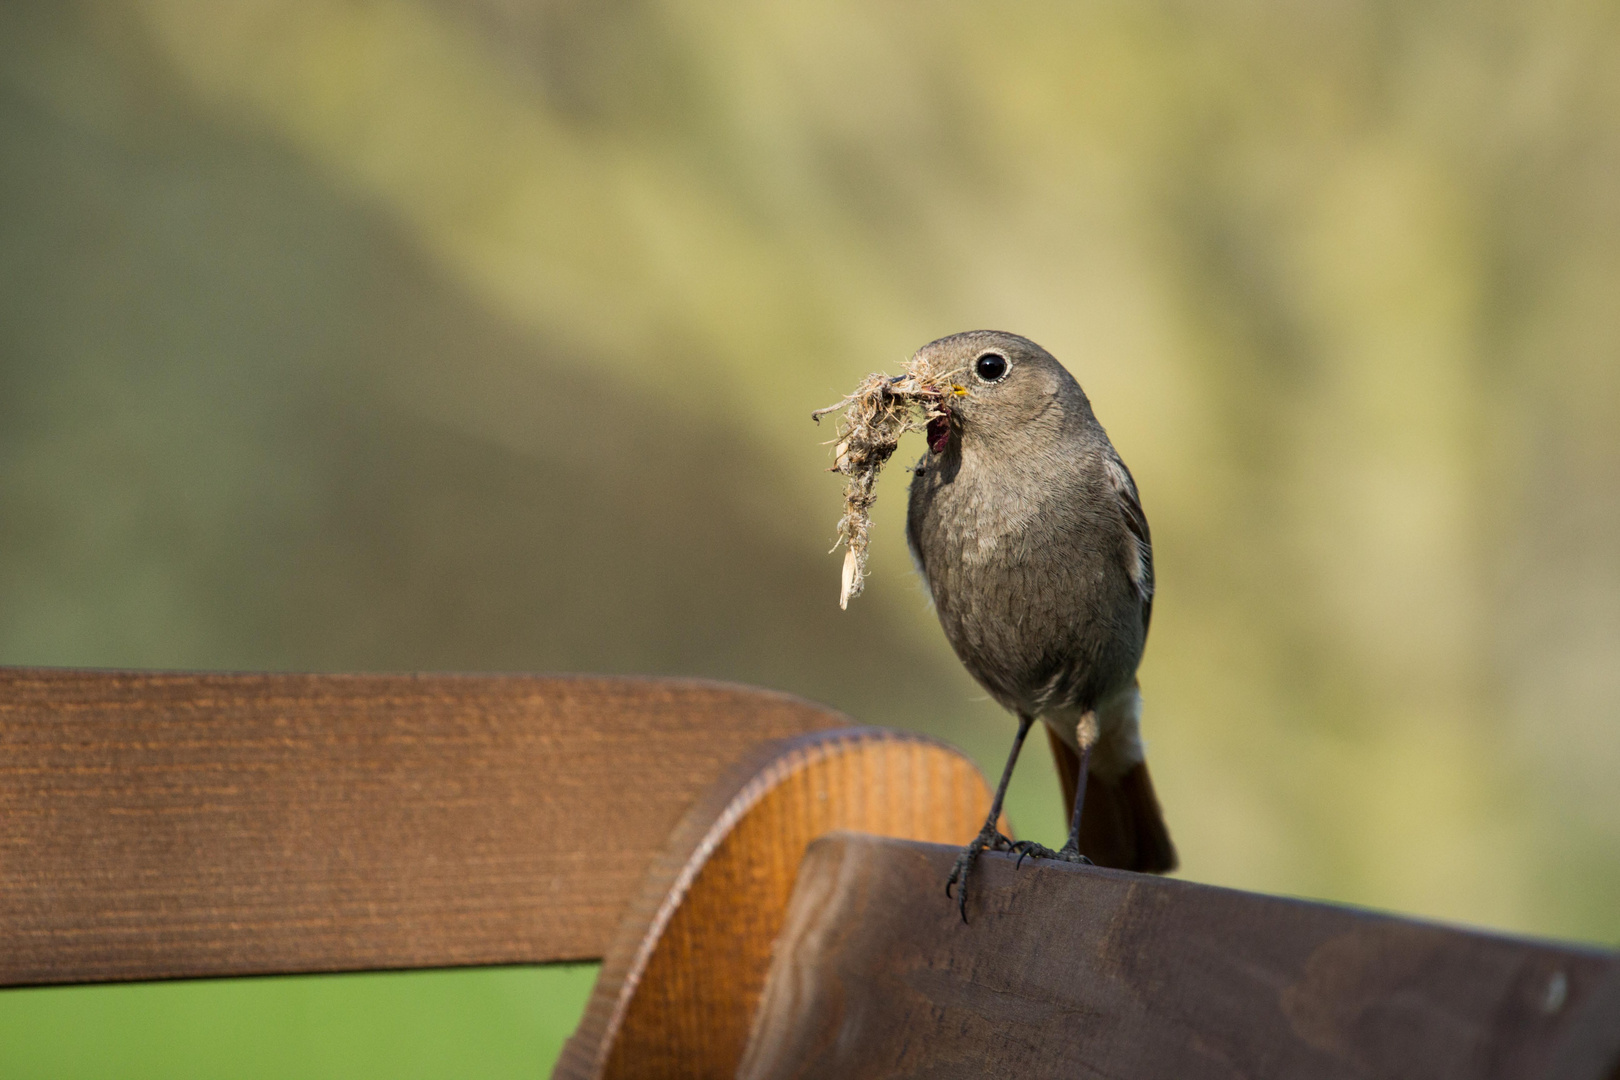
[161, 826]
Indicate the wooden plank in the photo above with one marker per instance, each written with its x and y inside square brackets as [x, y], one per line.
[1069, 971]
[175, 825]
[682, 980]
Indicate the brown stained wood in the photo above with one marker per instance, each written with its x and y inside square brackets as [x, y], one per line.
[680, 984]
[1070, 971]
[173, 825]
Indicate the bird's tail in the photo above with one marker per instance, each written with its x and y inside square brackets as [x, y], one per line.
[1122, 825]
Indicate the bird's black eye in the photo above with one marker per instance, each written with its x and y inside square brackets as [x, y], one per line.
[990, 367]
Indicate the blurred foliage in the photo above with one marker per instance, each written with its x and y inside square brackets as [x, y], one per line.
[480, 334]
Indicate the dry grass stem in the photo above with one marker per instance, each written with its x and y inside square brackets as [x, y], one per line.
[881, 410]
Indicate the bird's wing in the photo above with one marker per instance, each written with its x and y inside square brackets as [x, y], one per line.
[1139, 569]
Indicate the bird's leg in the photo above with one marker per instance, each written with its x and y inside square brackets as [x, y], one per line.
[988, 836]
[1070, 852]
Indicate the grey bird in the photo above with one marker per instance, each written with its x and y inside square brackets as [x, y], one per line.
[1029, 531]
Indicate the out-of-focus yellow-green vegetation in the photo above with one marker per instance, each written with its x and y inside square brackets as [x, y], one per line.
[478, 334]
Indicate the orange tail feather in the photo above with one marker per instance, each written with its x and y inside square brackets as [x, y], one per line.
[1122, 826]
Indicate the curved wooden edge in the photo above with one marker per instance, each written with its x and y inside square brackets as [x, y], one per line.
[159, 825]
[680, 982]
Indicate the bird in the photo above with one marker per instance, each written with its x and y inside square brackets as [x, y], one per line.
[1028, 530]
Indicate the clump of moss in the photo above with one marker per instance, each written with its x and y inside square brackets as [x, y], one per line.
[881, 410]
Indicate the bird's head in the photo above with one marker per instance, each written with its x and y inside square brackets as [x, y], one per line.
[994, 384]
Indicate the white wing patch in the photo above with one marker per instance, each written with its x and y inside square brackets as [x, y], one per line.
[1139, 569]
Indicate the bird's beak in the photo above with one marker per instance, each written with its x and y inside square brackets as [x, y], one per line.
[958, 389]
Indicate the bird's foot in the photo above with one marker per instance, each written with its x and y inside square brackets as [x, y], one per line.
[988, 839]
[1029, 849]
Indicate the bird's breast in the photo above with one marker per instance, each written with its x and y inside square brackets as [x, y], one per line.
[1025, 582]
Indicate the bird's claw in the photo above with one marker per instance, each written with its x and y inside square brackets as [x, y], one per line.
[989, 839]
[1029, 849]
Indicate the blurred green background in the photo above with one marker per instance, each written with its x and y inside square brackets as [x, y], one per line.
[483, 334]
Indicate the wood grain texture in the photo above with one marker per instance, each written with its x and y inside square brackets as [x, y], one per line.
[1070, 971]
[679, 985]
[174, 825]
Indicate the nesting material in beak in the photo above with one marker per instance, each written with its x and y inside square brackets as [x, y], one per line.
[875, 416]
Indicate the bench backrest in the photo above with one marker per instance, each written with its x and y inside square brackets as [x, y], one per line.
[1066, 971]
[179, 825]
